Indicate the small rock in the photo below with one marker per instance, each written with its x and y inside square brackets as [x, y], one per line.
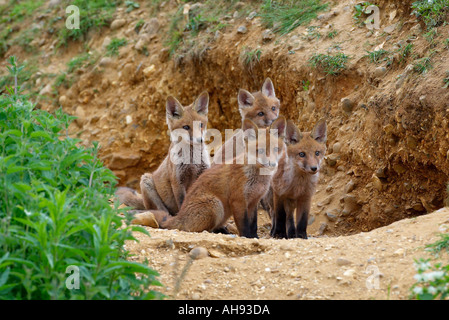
[198, 253]
[390, 29]
[350, 186]
[343, 262]
[331, 216]
[128, 119]
[332, 159]
[122, 161]
[323, 228]
[381, 173]
[377, 184]
[416, 29]
[267, 35]
[399, 168]
[336, 148]
[149, 70]
[350, 204]
[46, 91]
[242, 29]
[349, 273]
[105, 62]
[81, 116]
[117, 24]
[379, 72]
[347, 105]
[252, 15]
[399, 252]
[63, 101]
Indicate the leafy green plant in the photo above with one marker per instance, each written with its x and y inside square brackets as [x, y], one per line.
[359, 13]
[112, 48]
[313, 32]
[433, 13]
[330, 64]
[432, 282]
[286, 15]
[131, 5]
[55, 214]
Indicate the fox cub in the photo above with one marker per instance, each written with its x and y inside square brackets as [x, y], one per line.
[262, 107]
[232, 190]
[165, 188]
[295, 181]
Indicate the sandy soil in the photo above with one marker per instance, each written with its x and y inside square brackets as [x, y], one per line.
[370, 265]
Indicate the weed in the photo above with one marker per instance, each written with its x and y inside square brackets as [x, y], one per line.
[286, 15]
[131, 5]
[359, 13]
[377, 55]
[330, 64]
[93, 14]
[446, 85]
[422, 65]
[250, 57]
[55, 213]
[112, 48]
[305, 85]
[313, 32]
[433, 13]
[332, 34]
[404, 52]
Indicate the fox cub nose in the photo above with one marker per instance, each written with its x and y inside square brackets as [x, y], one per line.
[313, 168]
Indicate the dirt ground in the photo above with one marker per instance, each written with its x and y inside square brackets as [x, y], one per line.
[378, 264]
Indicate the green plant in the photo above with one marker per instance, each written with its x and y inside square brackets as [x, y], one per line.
[432, 282]
[286, 15]
[332, 34]
[114, 45]
[313, 32]
[446, 85]
[55, 213]
[93, 14]
[330, 64]
[377, 55]
[422, 65]
[433, 13]
[250, 57]
[131, 5]
[359, 13]
[305, 85]
[405, 51]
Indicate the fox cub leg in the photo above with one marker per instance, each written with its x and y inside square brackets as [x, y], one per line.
[246, 220]
[130, 198]
[151, 198]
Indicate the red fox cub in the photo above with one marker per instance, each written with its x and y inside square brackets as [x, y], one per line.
[234, 189]
[294, 183]
[262, 107]
[165, 188]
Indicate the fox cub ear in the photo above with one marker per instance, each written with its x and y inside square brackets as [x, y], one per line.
[202, 103]
[174, 108]
[293, 135]
[280, 124]
[319, 132]
[245, 99]
[268, 88]
[250, 130]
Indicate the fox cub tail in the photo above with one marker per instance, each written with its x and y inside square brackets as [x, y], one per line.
[130, 198]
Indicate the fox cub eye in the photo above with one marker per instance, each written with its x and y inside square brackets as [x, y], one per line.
[273, 108]
[260, 114]
[317, 153]
[302, 154]
[186, 128]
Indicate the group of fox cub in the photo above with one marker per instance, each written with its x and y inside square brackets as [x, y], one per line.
[203, 196]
